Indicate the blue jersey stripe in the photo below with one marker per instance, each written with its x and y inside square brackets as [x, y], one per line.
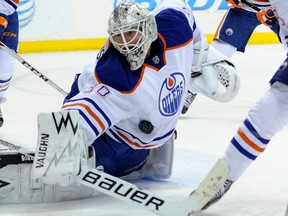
[254, 132]
[242, 150]
[10, 3]
[95, 106]
[89, 122]
[156, 139]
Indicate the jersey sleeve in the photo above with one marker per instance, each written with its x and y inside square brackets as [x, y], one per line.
[174, 26]
[7, 7]
[99, 105]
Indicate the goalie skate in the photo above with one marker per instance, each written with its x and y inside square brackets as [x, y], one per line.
[17, 186]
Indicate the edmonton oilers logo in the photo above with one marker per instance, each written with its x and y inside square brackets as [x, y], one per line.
[171, 94]
[25, 12]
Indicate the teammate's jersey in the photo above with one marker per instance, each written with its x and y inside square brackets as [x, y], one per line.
[8, 7]
[281, 8]
[139, 108]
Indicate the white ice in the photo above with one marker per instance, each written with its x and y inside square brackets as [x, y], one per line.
[203, 134]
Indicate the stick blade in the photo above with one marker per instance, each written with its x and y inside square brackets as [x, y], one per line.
[209, 186]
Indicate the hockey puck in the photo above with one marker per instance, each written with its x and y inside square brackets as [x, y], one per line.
[146, 127]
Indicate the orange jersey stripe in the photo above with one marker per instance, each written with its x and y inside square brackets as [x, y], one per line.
[220, 25]
[249, 142]
[165, 45]
[87, 108]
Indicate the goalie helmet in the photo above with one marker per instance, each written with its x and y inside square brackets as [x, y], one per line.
[131, 30]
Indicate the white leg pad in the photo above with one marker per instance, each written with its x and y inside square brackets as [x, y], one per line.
[61, 147]
[18, 187]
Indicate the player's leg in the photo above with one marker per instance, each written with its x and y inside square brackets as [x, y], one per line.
[268, 116]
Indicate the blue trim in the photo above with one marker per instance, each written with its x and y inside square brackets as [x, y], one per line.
[96, 106]
[100, 110]
[9, 2]
[134, 137]
[4, 89]
[88, 121]
[242, 150]
[254, 132]
[3, 81]
[117, 137]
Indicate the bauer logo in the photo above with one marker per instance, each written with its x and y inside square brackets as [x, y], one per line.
[171, 94]
[25, 12]
[196, 5]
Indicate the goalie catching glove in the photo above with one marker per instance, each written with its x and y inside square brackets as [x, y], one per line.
[213, 74]
[61, 148]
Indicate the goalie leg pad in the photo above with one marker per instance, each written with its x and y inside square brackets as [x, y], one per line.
[18, 187]
[61, 147]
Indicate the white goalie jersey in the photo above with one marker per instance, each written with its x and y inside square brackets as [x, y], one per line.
[139, 108]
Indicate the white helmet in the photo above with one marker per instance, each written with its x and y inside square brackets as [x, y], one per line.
[129, 18]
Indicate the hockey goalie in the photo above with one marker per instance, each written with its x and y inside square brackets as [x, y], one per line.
[121, 114]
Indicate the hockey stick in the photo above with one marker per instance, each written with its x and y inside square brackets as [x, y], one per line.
[31, 68]
[251, 5]
[134, 195]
